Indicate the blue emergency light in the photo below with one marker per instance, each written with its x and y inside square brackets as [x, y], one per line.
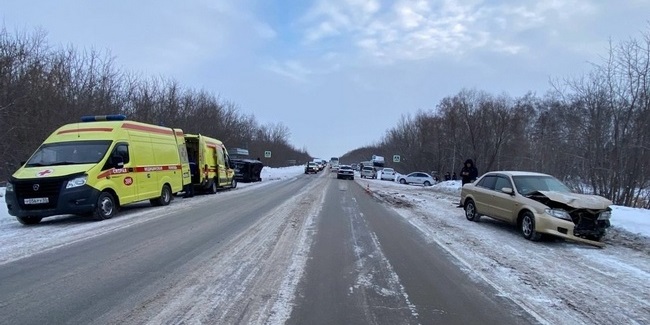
[94, 118]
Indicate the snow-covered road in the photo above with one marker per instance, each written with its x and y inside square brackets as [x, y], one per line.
[556, 281]
[253, 276]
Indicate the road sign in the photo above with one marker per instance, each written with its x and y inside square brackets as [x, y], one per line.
[396, 158]
[267, 154]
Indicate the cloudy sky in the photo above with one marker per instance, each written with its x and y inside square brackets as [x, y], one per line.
[339, 73]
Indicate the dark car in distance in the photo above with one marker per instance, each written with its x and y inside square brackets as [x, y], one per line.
[311, 167]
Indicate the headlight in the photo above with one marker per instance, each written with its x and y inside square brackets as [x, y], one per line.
[605, 215]
[76, 182]
[9, 187]
[560, 214]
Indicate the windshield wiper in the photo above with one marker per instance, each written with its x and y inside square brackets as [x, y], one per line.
[61, 163]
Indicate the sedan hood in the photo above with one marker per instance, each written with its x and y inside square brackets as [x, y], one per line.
[578, 201]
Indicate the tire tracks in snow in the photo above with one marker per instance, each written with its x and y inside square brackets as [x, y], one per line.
[558, 282]
[250, 280]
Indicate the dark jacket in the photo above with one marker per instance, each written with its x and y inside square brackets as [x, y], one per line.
[468, 174]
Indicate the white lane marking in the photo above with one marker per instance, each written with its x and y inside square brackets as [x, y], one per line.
[365, 279]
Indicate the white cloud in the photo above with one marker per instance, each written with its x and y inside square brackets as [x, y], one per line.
[413, 30]
[290, 68]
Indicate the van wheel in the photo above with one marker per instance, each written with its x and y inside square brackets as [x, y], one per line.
[470, 211]
[233, 184]
[29, 220]
[527, 226]
[213, 187]
[165, 197]
[106, 207]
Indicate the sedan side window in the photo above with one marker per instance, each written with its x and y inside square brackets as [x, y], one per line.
[487, 182]
[502, 182]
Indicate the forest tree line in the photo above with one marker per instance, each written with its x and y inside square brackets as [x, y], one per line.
[42, 88]
[593, 132]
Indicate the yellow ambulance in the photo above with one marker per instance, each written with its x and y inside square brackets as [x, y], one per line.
[94, 167]
[210, 164]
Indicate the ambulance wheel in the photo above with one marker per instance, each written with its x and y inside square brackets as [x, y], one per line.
[29, 220]
[213, 187]
[165, 197]
[233, 184]
[106, 207]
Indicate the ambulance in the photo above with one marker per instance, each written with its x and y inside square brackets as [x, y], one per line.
[94, 167]
[210, 164]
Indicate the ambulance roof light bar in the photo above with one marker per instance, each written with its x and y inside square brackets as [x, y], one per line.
[94, 118]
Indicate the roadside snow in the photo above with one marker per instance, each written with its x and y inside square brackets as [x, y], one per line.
[631, 219]
[18, 241]
[558, 282]
[268, 174]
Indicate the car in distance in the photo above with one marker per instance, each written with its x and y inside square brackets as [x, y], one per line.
[345, 172]
[368, 172]
[388, 174]
[311, 167]
[416, 178]
[538, 204]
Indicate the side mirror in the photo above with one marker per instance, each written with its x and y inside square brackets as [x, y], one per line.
[508, 190]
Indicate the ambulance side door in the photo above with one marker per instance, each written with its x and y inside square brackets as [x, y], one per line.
[144, 162]
[122, 175]
[230, 168]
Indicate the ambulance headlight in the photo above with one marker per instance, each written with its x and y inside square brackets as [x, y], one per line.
[76, 182]
[9, 187]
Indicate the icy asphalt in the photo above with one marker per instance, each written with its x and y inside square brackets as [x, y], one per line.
[313, 249]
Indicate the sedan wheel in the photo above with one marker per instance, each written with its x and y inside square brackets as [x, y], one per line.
[402, 181]
[470, 211]
[527, 227]
[426, 183]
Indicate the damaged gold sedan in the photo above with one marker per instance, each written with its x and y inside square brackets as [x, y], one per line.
[538, 204]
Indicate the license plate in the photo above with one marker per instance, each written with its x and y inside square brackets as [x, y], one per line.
[37, 200]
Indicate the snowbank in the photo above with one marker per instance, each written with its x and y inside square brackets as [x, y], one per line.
[268, 175]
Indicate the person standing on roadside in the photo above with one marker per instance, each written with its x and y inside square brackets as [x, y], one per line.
[468, 174]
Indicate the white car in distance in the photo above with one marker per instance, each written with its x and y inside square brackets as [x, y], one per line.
[388, 174]
[417, 178]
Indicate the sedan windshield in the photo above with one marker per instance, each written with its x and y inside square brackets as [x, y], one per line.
[530, 184]
[69, 153]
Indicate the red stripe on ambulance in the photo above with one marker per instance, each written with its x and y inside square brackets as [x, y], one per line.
[145, 128]
[142, 169]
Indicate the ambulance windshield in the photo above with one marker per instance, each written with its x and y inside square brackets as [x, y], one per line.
[69, 153]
